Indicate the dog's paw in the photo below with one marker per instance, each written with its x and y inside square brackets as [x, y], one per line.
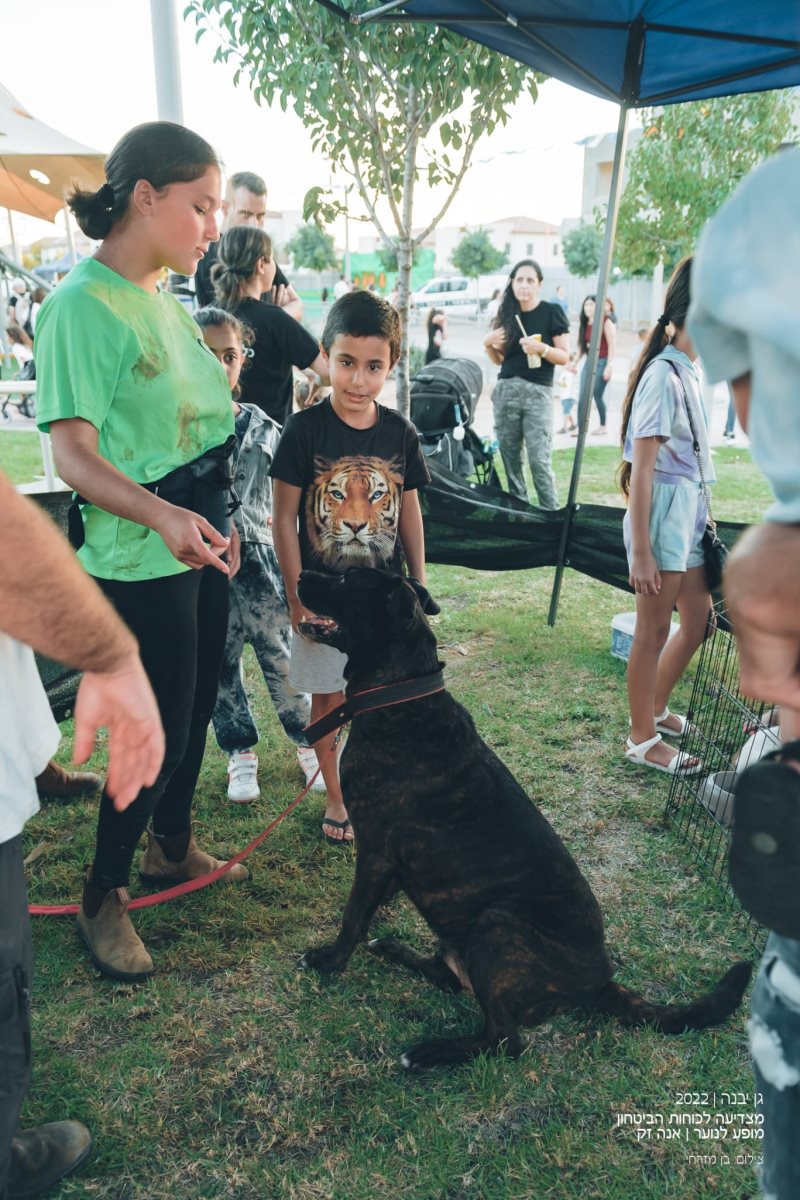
[324, 959]
[419, 1058]
[382, 946]
[441, 1052]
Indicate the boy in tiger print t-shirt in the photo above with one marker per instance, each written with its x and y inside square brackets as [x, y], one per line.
[346, 475]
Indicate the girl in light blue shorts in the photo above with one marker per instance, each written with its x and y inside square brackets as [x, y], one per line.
[662, 480]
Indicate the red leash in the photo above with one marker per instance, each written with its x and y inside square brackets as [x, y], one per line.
[192, 885]
[384, 696]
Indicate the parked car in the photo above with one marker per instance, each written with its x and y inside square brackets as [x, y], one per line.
[456, 295]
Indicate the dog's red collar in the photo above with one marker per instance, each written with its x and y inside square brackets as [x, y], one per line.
[378, 697]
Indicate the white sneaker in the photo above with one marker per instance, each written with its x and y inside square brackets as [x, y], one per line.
[243, 777]
[307, 758]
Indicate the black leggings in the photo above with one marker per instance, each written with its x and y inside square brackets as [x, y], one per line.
[181, 624]
[599, 392]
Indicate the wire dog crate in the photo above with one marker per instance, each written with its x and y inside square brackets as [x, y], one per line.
[726, 732]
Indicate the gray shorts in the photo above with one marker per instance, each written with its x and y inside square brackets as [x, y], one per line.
[677, 523]
[316, 668]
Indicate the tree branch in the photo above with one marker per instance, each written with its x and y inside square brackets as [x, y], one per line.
[383, 163]
[371, 209]
[468, 150]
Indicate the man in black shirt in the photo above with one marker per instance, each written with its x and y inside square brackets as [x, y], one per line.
[245, 203]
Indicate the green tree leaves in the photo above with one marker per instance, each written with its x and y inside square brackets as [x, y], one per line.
[475, 255]
[689, 160]
[581, 248]
[312, 247]
[387, 104]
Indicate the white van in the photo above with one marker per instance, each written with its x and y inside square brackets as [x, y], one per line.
[457, 295]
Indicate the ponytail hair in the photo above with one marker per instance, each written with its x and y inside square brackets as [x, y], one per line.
[676, 307]
[160, 152]
[237, 258]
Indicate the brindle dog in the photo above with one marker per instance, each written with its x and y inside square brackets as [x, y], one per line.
[437, 815]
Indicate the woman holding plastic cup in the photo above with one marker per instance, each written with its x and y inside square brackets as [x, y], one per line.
[528, 340]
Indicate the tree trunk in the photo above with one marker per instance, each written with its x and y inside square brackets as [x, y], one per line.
[405, 254]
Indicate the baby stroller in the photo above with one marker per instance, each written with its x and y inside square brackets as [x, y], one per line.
[444, 396]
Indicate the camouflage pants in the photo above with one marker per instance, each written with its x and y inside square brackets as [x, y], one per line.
[523, 414]
[258, 615]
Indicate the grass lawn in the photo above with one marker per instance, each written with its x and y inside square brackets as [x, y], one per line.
[231, 1073]
[20, 455]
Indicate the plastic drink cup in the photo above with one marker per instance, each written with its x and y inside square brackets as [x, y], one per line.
[535, 360]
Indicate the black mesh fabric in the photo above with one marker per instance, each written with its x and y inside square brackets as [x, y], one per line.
[469, 525]
[472, 526]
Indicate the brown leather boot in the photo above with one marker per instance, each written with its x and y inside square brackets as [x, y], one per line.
[41, 1157]
[56, 783]
[156, 870]
[114, 945]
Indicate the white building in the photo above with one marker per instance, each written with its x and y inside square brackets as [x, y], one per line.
[598, 163]
[518, 237]
[282, 226]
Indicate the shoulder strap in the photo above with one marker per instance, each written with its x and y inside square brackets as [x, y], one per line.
[693, 431]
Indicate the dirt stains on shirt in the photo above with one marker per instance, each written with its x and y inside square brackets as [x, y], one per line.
[187, 429]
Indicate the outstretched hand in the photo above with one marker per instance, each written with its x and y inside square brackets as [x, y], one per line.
[122, 702]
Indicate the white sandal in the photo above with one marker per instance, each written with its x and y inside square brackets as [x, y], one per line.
[667, 729]
[681, 764]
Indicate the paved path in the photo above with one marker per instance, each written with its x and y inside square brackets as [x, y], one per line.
[465, 340]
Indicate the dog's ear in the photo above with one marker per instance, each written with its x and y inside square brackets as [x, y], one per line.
[426, 600]
[402, 602]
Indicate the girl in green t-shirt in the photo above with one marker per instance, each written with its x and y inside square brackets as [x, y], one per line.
[130, 393]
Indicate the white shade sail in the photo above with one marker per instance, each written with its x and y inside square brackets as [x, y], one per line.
[28, 145]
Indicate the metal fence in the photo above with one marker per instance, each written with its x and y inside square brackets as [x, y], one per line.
[726, 733]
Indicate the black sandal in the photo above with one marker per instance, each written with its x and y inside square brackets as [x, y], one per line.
[764, 863]
[342, 841]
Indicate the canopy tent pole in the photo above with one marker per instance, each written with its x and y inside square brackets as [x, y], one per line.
[166, 59]
[590, 366]
[12, 237]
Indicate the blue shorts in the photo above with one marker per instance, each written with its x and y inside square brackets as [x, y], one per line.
[678, 513]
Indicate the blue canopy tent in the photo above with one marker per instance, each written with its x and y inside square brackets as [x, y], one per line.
[636, 53]
[60, 266]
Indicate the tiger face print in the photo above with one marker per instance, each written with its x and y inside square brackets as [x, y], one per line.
[352, 511]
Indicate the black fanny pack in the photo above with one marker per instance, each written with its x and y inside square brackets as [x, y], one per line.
[204, 486]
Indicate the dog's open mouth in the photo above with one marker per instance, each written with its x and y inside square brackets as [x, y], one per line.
[319, 629]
